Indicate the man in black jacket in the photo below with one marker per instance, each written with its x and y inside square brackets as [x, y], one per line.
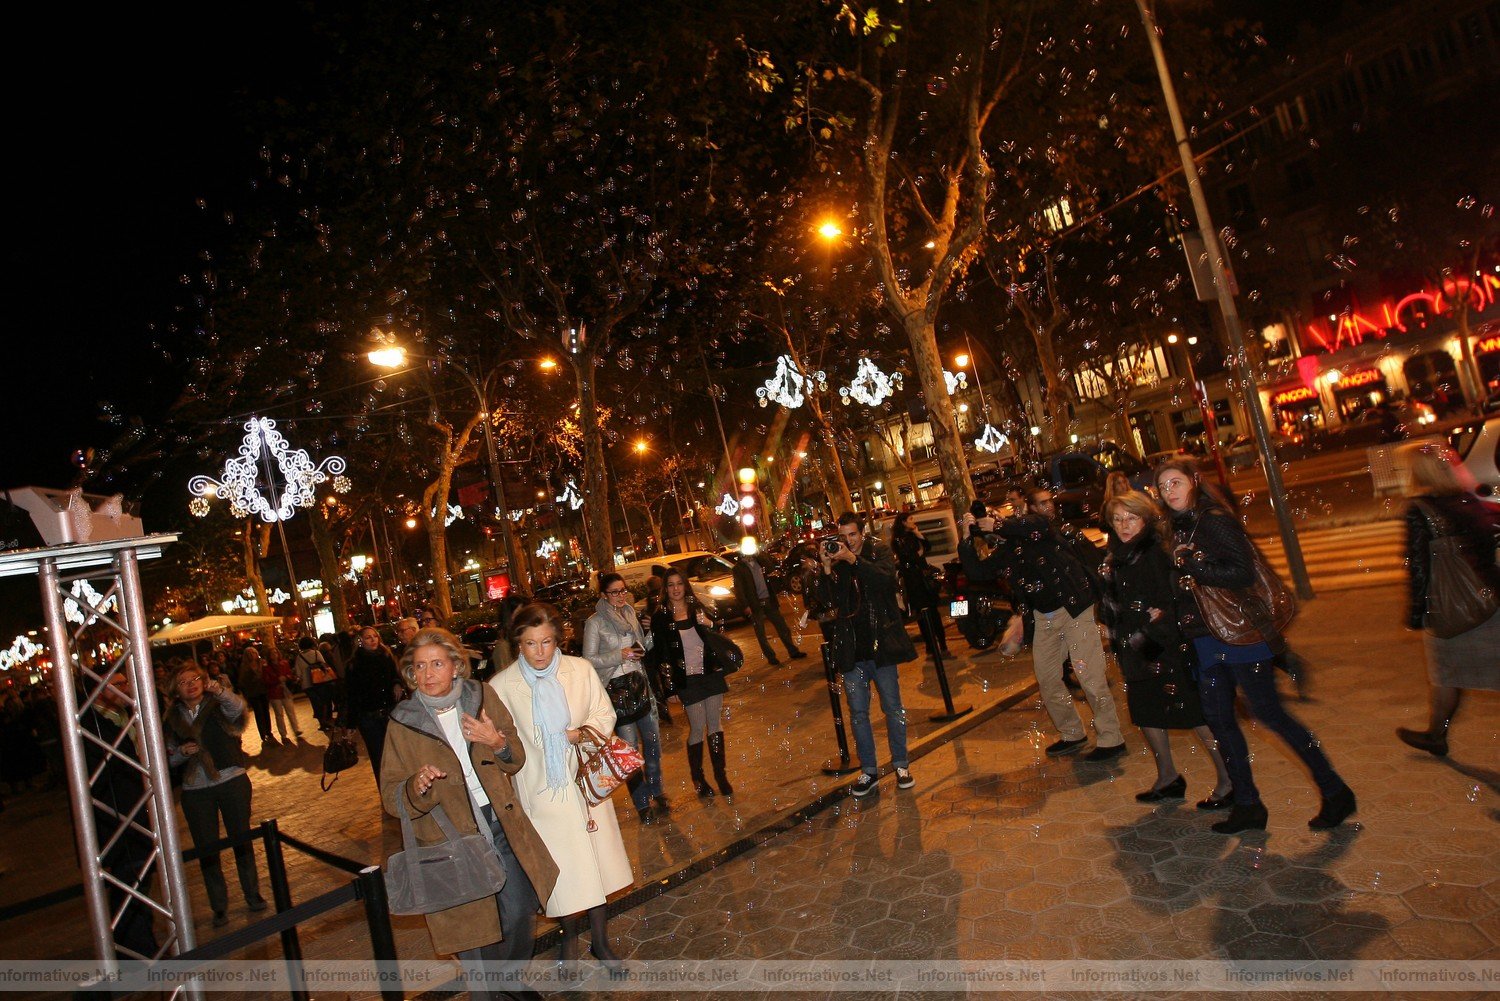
[1050, 580]
[751, 587]
[863, 572]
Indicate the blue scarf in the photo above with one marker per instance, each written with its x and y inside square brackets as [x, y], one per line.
[550, 716]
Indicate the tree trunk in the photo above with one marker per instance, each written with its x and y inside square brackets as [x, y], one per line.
[952, 462]
[436, 496]
[328, 566]
[844, 500]
[251, 551]
[601, 538]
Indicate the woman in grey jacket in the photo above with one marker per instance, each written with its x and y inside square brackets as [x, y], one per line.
[615, 643]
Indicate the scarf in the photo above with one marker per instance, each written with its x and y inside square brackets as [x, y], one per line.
[436, 703]
[1121, 552]
[550, 717]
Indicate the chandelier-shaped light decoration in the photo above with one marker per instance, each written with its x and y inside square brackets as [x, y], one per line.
[728, 507]
[788, 385]
[955, 382]
[991, 440]
[85, 595]
[870, 386]
[455, 513]
[312, 588]
[264, 449]
[549, 547]
[571, 496]
[22, 650]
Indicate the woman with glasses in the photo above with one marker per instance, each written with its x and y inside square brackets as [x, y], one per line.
[615, 643]
[454, 745]
[678, 628]
[1211, 548]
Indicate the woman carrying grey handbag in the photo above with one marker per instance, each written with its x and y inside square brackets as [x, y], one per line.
[450, 752]
[422, 879]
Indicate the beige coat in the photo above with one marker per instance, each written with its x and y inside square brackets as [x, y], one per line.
[591, 865]
[412, 740]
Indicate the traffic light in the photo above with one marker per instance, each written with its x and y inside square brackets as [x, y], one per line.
[749, 511]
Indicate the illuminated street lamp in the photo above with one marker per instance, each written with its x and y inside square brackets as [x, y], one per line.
[829, 230]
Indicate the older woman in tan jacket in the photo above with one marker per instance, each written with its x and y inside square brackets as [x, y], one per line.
[454, 744]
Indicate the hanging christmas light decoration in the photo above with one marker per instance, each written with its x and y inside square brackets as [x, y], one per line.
[199, 507]
[455, 513]
[548, 547]
[788, 385]
[84, 592]
[955, 382]
[728, 507]
[342, 484]
[992, 440]
[870, 386]
[571, 496]
[241, 481]
[22, 650]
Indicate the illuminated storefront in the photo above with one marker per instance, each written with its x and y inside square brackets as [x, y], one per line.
[1297, 411]
[1356, 392]
[1487, 354]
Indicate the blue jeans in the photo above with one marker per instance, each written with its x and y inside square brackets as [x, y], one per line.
[645, 734]
[857, 693]
[1216, 687]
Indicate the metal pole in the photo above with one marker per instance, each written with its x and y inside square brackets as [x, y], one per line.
[371, 887]
[842, 765]
[286, 552]
[1210, 422]
[281, 894]
[934, 632]
[718, 419]
[1248, 385]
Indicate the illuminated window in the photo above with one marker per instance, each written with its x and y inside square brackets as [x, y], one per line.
[1058, 215]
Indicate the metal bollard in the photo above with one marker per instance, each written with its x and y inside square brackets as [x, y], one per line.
[281, 895]
[841, 765]
[382, 939]
[934, 628]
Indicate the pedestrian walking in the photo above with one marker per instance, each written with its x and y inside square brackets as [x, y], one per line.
[1139, 606]
[752, 588]
[1453, 581]
[1210, 548]
[374, 686]
[318, 679]
[680, 649]
[617, 646]
[910, 549]
[203, 728]
[454, 745]
[277, 675]
[551, 697]
[863, 575]
[1052, 583]
[253, 688]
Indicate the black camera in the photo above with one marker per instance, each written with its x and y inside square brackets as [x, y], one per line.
[832, 546]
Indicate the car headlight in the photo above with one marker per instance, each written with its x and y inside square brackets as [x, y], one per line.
[720, 591]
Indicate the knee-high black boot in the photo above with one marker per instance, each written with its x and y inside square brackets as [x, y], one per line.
[599, 926]
[695, 769]
[716, 754]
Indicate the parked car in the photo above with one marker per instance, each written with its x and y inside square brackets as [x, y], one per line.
[480, 640]
[1478, 447]
[1077, 478]
[712, 576]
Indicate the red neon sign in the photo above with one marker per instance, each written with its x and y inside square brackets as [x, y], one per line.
[1353, 325]
[1364, 378]
[1294, 396]
[1487, 345]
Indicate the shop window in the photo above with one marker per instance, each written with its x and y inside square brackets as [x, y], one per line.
[1432, 378]
[1489, 374]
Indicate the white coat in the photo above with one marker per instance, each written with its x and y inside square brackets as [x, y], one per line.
[591, 865]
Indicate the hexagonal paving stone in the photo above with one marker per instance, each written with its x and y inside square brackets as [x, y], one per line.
[1348, 941]
[1306, 885]
[1261, 945]
[1455, 903]
[1429, 938]
[1295, 920]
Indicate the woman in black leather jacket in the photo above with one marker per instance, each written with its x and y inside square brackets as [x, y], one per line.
[1210, 548]
[1471, 659]
[1140, 608]
[678, 646]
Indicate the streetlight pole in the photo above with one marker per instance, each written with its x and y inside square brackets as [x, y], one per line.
[1205, 412]
[1230, 312]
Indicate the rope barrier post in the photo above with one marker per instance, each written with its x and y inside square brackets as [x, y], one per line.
[841, 765]
[934, 628]
[281, 895]
[371, 889]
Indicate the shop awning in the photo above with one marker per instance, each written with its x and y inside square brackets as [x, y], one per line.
[209, 626]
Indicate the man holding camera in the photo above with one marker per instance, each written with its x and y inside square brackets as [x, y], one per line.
[1052, 578]
[863, 574]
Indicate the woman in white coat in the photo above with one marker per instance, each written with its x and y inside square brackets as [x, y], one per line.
[551, 696]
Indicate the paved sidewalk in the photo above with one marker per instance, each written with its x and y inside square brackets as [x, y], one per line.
[1000, 852]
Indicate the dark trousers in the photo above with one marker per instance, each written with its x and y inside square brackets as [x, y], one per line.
[133, 931]
[260, 705]
[518, 905]
[770, 609]
[372, 730]
[202, 808]
[1216, 688]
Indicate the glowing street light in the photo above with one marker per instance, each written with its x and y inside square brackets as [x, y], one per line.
[830, 230]
[548, 364]
[391, 357]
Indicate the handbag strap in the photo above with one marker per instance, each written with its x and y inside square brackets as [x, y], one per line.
[437, 813]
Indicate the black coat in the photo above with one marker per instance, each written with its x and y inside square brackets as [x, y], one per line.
[668, 657]
[1044, 562]
[1472, 521]
[910, 550]
[1209, 547]
[744, 585]
[1140, 578]
[371, 682]
[865, 593]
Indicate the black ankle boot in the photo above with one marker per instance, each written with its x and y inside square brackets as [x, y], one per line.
[695, 769]
[1243, 818]
[716, 754]
[1336, 809]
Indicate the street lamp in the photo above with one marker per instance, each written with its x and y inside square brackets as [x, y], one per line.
[395, 356]
[829, 230]
[1229, 310]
